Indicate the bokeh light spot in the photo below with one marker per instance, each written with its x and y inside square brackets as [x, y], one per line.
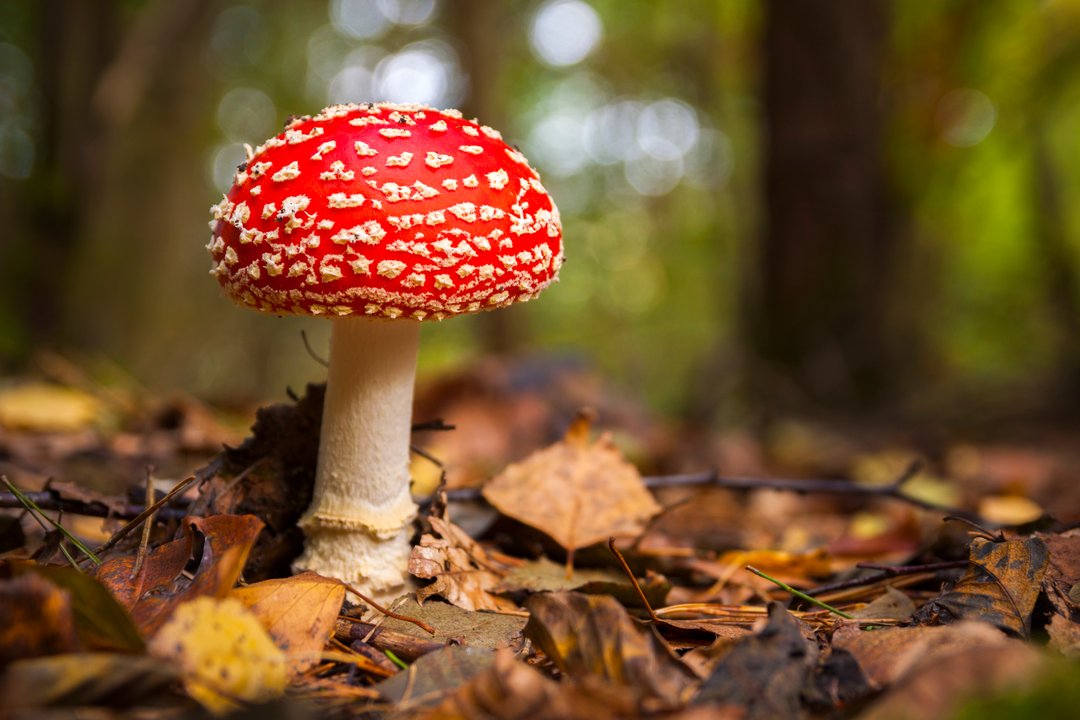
[667, 129]
[223, 161]
[360, 19]
[246, 114]
[653, 176]
[408, 12]
[564, 32]
[425, 72]
[16, 152]
[966, 116]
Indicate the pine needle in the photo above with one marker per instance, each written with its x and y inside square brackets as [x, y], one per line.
[799, 594]
[38, 513]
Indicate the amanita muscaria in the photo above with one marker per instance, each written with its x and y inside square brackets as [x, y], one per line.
[378, 217]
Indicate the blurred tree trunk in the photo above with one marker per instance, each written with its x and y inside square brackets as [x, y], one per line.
[819, 310]
[152, 102]
[1062, 284]
[70, 45]
[483, 27]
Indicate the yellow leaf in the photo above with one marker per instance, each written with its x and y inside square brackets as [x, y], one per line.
[41, 407]
[1009, 509]
[223, 653]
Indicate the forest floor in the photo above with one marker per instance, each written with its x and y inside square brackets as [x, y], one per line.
[568, 564]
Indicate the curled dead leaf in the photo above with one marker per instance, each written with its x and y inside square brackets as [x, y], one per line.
[1000, 586]
[159, 587]
[593, 635]
[462, 571]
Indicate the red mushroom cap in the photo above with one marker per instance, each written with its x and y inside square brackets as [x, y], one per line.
[386, 210]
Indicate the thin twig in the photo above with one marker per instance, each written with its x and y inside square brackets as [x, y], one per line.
[388, 613]
[206, 472]
[886, 572]
[144, 542]
[438, 424]
[307, 346]
[428, 456]
[49, 500]
[977, 529]
[893, 490]
[633, 580]
[894, 570]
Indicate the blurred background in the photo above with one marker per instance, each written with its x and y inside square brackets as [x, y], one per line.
[827, 208]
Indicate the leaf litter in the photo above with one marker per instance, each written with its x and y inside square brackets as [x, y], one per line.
[591, 595]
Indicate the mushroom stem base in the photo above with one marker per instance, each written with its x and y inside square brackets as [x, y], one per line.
[374, 566]
[357, 527]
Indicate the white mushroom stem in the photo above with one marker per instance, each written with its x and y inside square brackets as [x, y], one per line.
[357, 527]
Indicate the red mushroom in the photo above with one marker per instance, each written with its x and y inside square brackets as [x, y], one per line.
[379, 216]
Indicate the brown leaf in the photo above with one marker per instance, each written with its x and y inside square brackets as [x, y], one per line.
[116, 680]
[160, 585]
[100, 622]
[1064, 636]
[543, 575]
[577, 492]
[435, 675]
[463, 572]
[1000, 586]
[887, 654]
[892, 604]
[299, 613]
[593, 635]
[35, 619]
[764, 675]
[511, 690]
[1063, 571]
[943, 667]
[161, 566]
[455, 625]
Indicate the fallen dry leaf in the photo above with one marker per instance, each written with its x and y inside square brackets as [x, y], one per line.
[577, 492]
[936, 683]
[100, 621]
[543, 575]
[35, 619]
[223, 653]
[44, 408]
[888, 654]
[71, 681]
[1000, 586]
[511, 690]
[161, 567]
[593, 635]
[299, 613]
[458, 626]
[1062, 588]
[463, 572]
[892, 605]
[227, 540]
[763, 675]
[429, 679]
[1009, 509]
